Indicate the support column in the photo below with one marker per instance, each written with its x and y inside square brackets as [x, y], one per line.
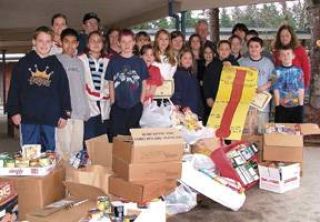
[214, 25]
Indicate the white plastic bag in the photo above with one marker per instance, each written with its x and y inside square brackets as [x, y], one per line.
[192, 136]
[181, 200]
[154, 116]
[200, 162]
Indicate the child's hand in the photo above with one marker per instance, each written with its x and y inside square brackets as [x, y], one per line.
[210, 102]
[227, 63]
[16, 119]
[62, 123]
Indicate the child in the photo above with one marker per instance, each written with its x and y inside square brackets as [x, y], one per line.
[39, 97]
[113, 48]
[70, 138]
[288, 89]
[127, 76]
[164, 57]
[265, 68]
[236, 46]
[211, 77]
[58, 23]
[142, 38]
[155, 78]
[187, 89]
[95, 64]
[177, 41]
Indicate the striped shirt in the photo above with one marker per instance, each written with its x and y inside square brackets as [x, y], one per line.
[96, 69]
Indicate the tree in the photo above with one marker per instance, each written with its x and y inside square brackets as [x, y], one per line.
[225, 19]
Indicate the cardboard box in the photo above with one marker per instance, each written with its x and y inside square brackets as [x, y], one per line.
[28, 171]
[8, 202]
[75, 214]
[93, 175]
[100, 151]
[36, 192]
[279, 179]
[142, 191]
[146, 171]
[287, 148]
[149, 146]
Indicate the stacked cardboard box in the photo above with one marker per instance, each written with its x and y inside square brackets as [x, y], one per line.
[147, 164]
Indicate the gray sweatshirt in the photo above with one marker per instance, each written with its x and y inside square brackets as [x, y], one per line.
[75, 72]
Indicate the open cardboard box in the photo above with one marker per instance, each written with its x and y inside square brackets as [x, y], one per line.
[36, 192]
[150, 145]
[279, 179]
[287, 148]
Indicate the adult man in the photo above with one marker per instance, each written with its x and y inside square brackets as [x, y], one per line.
[202, 29]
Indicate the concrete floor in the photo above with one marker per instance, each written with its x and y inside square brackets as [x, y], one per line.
[301, 205]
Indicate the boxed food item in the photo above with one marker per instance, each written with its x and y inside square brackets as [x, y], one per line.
[146, 171]
[149, 146]
[36, 192]
[284, 142]
[29, 162]
[142, 191]
[8, 202]
[238, 161]
[279, 177]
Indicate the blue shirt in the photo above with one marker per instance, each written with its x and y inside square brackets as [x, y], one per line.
[127, 75]
[288, 80]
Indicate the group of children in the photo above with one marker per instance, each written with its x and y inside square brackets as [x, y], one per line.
[93, 93]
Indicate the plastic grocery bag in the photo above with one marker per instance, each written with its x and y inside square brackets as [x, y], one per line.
[193, 136]
[181, 200]
[200, 162]
[154, 116]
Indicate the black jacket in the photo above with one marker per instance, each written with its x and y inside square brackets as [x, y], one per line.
[211, 77]
[39, 90]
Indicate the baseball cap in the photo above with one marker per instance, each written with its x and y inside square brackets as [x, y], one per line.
[90, 15]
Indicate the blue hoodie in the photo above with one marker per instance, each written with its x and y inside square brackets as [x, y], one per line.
[39, 90]
[186, 90]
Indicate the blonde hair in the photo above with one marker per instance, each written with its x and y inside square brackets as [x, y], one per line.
[168, 51]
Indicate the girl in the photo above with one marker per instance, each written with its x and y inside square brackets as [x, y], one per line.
[142, 38]
[177, 42]
[164, 57]
[211, 78]
[236, 46]
[187, 90]
[155, 78]
[97, 90]
[208, 54]
[113, 47]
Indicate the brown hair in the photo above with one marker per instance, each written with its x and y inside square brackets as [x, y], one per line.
[43, 29]
[184, 51]
[58, 15]
[101, 36]
[294, 40]
[168, 52]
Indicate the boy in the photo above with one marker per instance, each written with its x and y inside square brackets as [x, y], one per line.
[70, 138]
[127, 76]
[265, 68]
[39, 97]
[288, 89]
[90, 23]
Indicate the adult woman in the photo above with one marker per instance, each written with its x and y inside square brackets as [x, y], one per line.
[287, 37]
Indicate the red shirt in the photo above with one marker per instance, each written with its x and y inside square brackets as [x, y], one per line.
[301, 60]
[154, 76]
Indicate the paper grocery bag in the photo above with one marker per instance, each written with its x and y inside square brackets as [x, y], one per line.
[95, 175]
[100, 151]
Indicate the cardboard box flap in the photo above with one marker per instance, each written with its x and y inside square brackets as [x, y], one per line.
[100, 150]
[309, 129]
[77, 190]
[151, 136]
[283, 140]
